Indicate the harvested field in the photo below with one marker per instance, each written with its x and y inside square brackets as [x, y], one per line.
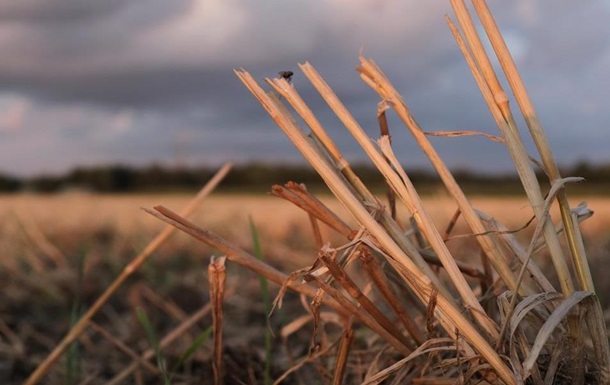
[45, 237]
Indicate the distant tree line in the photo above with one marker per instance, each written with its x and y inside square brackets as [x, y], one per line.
[253, 177]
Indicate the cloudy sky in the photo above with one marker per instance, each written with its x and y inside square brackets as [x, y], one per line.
[142, 81]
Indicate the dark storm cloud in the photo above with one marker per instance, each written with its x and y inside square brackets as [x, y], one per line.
[55, 11]
[139, 81]
[148, 51]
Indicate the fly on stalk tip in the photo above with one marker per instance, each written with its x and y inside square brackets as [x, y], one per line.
[286, 75]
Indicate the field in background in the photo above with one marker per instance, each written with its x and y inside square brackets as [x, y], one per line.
[43, 238]
[74, 223]
[63, 214]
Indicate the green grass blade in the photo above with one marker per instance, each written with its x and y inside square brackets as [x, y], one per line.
[202, 338]
[153, 340]
[258, 252]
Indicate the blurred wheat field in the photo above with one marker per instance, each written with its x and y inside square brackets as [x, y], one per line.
[67, 219]
[61, 213]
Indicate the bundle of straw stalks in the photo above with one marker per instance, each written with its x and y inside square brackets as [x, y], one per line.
[536, 334]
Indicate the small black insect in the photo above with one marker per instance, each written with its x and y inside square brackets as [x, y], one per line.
[286, 75]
